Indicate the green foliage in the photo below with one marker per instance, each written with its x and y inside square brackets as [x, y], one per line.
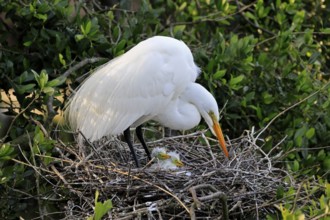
[6, 151]
[17, 173]
[260, 58]
[100, 208]
[307, 202]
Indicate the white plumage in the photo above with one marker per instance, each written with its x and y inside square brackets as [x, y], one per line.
[159, 153]
[155, 80]
[172, 163]
[164, 160]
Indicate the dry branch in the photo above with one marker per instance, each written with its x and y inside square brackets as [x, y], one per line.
[247, 182]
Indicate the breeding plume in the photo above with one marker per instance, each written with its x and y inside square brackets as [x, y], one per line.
[155, 80]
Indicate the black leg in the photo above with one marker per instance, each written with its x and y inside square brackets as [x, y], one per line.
[127, 136]
[140, 137]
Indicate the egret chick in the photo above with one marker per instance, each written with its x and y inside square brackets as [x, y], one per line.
[172, 163]
[160, 154]
[166, 161]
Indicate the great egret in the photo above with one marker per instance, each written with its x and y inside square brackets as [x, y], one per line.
[155, 80]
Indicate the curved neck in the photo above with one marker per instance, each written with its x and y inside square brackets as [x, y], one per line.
[179, 115]
[197, 95]
[185, 112]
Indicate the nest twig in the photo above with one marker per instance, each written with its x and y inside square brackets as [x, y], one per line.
[208, 186]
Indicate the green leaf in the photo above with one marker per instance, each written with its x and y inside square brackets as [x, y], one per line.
[280, 192]
[56, 82]
[295, 166]
[258, 111]
[310, 133]
[299, 141]
[249, 15]
[87, 28]
[21, 89]
[321, 155]
[68, 53]
[178, 29]
[32, 8]
[326, 165]
[221, 5]
[323, 202]
[27, 43]
[268, 98]
[121, 45]
[325, 30]
[100, 208]
[219, 74]
[36, 76]
[79, 37]
[38, 136]
[97, 193]
[42, 17]
[62, 60]
[300, 132]
[48, 90]
[118, 50]
[110, 15]
[6, 152]
[236, 80]
[182, 6]
[43, 79]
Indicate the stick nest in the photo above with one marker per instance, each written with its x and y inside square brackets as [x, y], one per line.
[209, 186]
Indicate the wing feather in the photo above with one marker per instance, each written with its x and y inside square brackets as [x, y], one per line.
[133, 88]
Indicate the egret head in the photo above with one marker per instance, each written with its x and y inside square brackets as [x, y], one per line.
[212, 120]
[208, 108]
[175, 159]
[160, 153]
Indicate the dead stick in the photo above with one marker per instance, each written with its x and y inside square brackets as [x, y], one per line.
[147, 182]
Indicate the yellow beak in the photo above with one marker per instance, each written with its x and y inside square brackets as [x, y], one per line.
[163, 156]
[178, 163]
[218, 132]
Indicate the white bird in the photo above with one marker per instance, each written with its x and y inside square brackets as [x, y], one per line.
[160, 153]
[172, 163]
[164, 160]
[155, 80]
